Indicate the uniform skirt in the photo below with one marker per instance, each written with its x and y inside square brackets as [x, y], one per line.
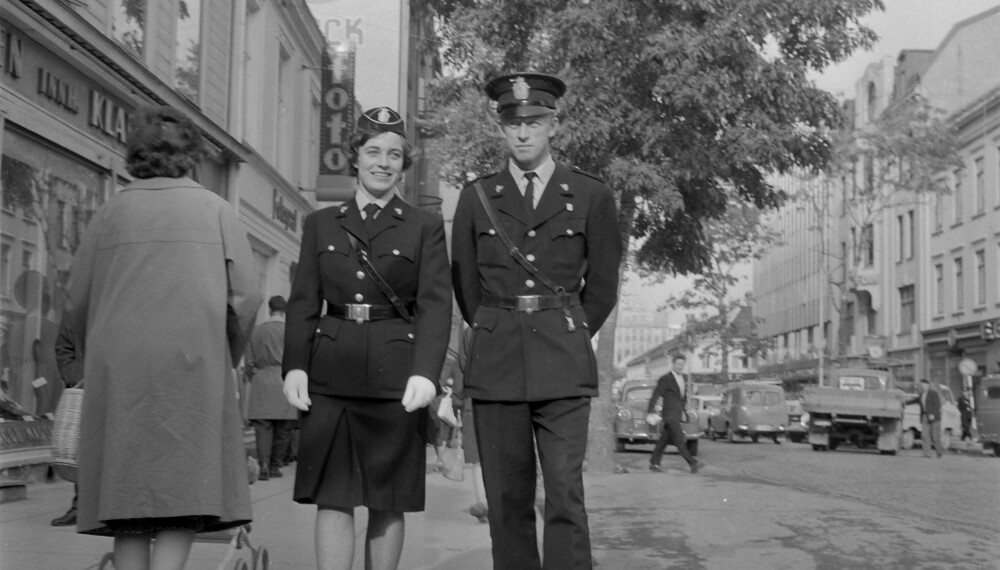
[357, 452]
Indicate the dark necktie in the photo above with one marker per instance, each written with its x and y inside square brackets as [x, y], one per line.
[371, 210]
[529, 191]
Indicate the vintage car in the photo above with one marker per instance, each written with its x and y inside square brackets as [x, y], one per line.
[797, 429]
[951, 420]
[707, 406]
[630, 417]
[751, 408]
[987, 400]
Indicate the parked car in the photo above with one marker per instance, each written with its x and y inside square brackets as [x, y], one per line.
[706, 406]
[797, 429]
[751, 408]
[951, 420]
[630, 417]
[988, 412]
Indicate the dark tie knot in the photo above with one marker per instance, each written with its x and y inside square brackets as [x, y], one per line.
[371, 211]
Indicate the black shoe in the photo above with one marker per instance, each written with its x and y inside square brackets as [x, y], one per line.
[696, 466]
[655, 468]
[67, 519]
[264, 475]
[274, 472]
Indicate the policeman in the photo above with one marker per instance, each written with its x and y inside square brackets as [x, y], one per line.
[535, 282]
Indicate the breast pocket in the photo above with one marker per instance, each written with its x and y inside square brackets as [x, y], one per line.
[490, 249]
[569, 240]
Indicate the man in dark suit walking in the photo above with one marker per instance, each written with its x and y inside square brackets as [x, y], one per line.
[930, 418]
[673, 389]
[532, 370]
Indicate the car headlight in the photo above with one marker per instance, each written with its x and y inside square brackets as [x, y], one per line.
[804, 419]
[624, 415]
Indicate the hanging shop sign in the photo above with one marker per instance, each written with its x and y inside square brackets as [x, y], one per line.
[287, 217]
[336, 125]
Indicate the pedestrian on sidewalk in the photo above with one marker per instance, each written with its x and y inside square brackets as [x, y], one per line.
[361, 374]
[965, 409]
[672, 388]
[269, 412]
[162, 290]
[535, 250]
[930, 418]
[69, 359]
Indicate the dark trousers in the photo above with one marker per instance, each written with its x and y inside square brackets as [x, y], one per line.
[273, 437]
[671, 433]
[508, 434]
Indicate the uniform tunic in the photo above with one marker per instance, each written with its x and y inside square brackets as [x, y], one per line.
[160, 266]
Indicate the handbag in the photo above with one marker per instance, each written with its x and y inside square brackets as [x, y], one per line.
[446, 411]
[66, 433]
[453, 457]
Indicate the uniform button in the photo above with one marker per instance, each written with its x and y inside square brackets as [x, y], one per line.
[531, 233]
[360, 274]
[330, 248]
[529, 283]
[492, 232]
[359, 297]
[569, 232]
[409, 335]
[395, 252]
[530, 256]
[317, 331]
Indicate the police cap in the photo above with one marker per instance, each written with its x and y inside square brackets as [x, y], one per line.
[525, 94]
[382, 119]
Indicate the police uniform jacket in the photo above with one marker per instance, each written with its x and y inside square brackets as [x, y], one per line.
[573, 239]
[373, 359]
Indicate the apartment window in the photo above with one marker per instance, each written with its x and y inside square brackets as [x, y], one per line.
[5, 269]
[906, 308]
[958, 196]
[187, 49]
[901, 227]
[128, 25]
[980, 277]
[939, 289]
[912, 235]
[868, 245]
[980, 185]
[938, 212]
[959, 285]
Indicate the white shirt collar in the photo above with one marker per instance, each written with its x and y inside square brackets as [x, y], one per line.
[363, 197]
[544, 172]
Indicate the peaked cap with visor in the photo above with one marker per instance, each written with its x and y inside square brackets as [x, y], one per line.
[525, 94]
[382, 119]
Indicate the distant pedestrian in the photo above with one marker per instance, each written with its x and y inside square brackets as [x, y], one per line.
[930, 418]
[269, 412]
[162, 290]
[965, 409]
[361, 373]
[69, 359]
[672, 388]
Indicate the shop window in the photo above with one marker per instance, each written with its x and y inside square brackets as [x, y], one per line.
[5, 251]
[187, 56]
[907, 309]
[128, 25]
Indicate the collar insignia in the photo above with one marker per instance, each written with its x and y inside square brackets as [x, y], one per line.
[499, 188]
[520, 89]
[399, 211]
[343, 209]
[565, 187]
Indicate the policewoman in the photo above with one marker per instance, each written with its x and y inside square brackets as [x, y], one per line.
[366, 331]
[532, 372]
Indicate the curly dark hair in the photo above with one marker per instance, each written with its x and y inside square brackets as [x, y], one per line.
[162, 141]
[361, 136]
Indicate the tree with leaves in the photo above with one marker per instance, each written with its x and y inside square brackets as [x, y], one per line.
[733, 240]
[684, 106]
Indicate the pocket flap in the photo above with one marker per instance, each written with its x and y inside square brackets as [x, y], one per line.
[567, 228]
[329, 326]
[486, 320]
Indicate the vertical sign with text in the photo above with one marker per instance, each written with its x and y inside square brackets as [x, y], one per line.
[336, 125]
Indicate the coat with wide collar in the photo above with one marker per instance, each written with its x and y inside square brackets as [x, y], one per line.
[572, 237]
[374, 359]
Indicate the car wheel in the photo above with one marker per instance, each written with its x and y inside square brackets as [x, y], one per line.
[619, 445]
[833, 444]
[818, 447]
[776, 440]
[945, 441]
[692, 446]
[730, 435]
[909, 439]
[996, 449]
[755, 437]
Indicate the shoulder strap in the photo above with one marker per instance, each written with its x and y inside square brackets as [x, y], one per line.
[366, 264]
[519, 257]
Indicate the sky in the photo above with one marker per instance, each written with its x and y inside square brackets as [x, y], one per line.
[905, 24]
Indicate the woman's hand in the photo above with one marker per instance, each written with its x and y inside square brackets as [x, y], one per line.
[296, 389]
[419, 392]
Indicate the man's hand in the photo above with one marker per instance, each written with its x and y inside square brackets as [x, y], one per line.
[296, 389]
[419, 392]
[653, 419]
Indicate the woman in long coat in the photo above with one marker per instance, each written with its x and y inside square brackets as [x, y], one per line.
[161, 288]
[362, 372]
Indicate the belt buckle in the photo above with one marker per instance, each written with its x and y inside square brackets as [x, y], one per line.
[359, 312]
[527, 303]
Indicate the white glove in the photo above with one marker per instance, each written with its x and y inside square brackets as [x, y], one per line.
[419, 392]
[653, 419]
[296, 389]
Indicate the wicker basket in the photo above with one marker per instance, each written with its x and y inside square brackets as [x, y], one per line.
[66, 433]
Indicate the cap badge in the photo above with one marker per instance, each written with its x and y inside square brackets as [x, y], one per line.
[383, 115]
[521, 89]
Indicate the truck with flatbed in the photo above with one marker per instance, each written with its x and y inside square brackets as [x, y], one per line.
[858, 406]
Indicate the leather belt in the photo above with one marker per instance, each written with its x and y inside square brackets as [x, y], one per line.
[362, 312]
[531, 303]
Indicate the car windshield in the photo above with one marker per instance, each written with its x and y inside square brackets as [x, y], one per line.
[638, 395]
[712, 404]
